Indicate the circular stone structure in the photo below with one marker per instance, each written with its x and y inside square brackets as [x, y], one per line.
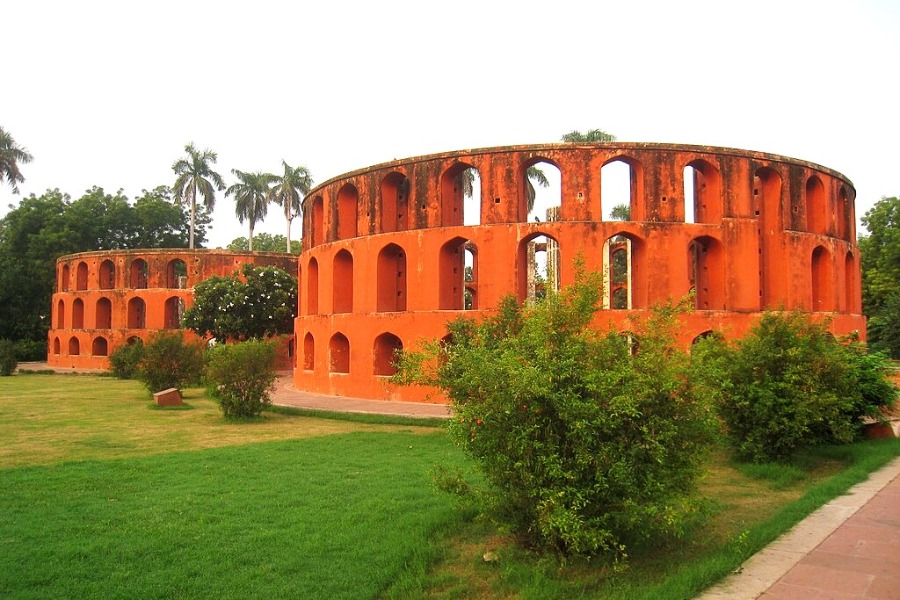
[395, 251]
[107, 298]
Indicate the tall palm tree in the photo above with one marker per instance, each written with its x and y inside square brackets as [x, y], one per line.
[592, 135]
[195, 174]
[288, 191]
[251, 198]
[11, 154]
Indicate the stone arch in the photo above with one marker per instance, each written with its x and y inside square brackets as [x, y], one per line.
[347, 211]
[384, 354]
[65, 278]
[107, 275]
[768, 207]
[56, 346]
[546, 206]
[312, 287]
[173, 311]
[137, 314]
[138, 275]
[709, 333]
[631, 278]
[537, 274]
[816, 209]
[454, 275]
[318, 221]
[622, 182]
[851, 282]
[176, 274]
[78, 314]
[81, 276]
[822, 280]
[842, 218]
[103, 313]
[74, 346]
[391, 279]
[60, 314]
[458, 207]
[619, 299]
[395, 204]
[342, 283]
[703, 192]
[706, 273]
[100, 347]
[339, 354]
[309, 352]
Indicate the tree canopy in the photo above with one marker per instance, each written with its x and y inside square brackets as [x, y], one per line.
[880, 251]
[287, 192]
[251, 197]
[263, 242]
[195, 175]
[11, 154]
[591, 135]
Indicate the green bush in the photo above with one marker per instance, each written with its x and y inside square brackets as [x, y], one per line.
[125, 359]
[240, 377]
[8, 360]
[589, 446]
[789, 384]
[31, 350]
[171, 362]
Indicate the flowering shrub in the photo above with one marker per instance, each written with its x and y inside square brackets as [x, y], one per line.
[588, 446]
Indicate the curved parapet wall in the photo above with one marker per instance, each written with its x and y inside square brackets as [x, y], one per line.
[106, 298]
[395, 251]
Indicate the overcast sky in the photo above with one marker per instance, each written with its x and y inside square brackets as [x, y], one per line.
[109, 93]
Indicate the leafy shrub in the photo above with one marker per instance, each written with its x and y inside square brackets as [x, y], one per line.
[240, 377]
[125, 359]
[789, 384]
[588, 446]
[171, 362]
[8, 360]
[31, 350]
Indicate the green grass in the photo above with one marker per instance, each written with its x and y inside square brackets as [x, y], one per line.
[104, 496]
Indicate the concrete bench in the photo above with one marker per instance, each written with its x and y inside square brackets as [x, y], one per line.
[169, 397]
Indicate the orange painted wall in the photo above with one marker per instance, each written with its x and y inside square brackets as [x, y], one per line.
[383, 261]
[96, 307]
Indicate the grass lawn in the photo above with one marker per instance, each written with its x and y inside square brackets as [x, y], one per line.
[104, 496]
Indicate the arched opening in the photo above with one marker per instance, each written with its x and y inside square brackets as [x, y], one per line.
[702, 193]
[851, 281]
[619, 299]
[822, 300]
[455, 276]
[312, 287]
[460, 196]
[339, 354]
[56, 346]
[81, 276]
[391, 273]
[623, 256]
[395, 212]
[174, 310]
[706, 273]
[470, 274]
[318, 221]
[620, 182]
[348, 216]
[107, 275]
[309, 352]
[538, 267]
[709, 333]
[387, 345]
[60, 315]
[816, 211]
[99, 347]
[842, 219]
[64, 279]
[104, 314]
[540, 191]
[137, 314]
[342, 282]
[176, 274]
[74, 346]
[768, 207]
[138, 275]
[78, 314]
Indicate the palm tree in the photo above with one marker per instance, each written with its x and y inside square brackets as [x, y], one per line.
[592, 135]
[251, 197]
[194, 174]
[11, 154]
[533, 176]
[289, 188]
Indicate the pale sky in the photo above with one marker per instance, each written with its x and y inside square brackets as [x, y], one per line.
[109, 93]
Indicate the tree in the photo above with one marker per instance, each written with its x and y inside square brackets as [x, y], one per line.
[241, 376]
[533, 176]
[194, 174]
[592, 135]
[11, 154]
[251, 197]
[263, 242]
[880, 251]
[294, 183]
[620, 212]
[162, 224]
[261, 302]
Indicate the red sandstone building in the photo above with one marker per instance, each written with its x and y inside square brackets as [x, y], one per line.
[395, 251]
[108, 298]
